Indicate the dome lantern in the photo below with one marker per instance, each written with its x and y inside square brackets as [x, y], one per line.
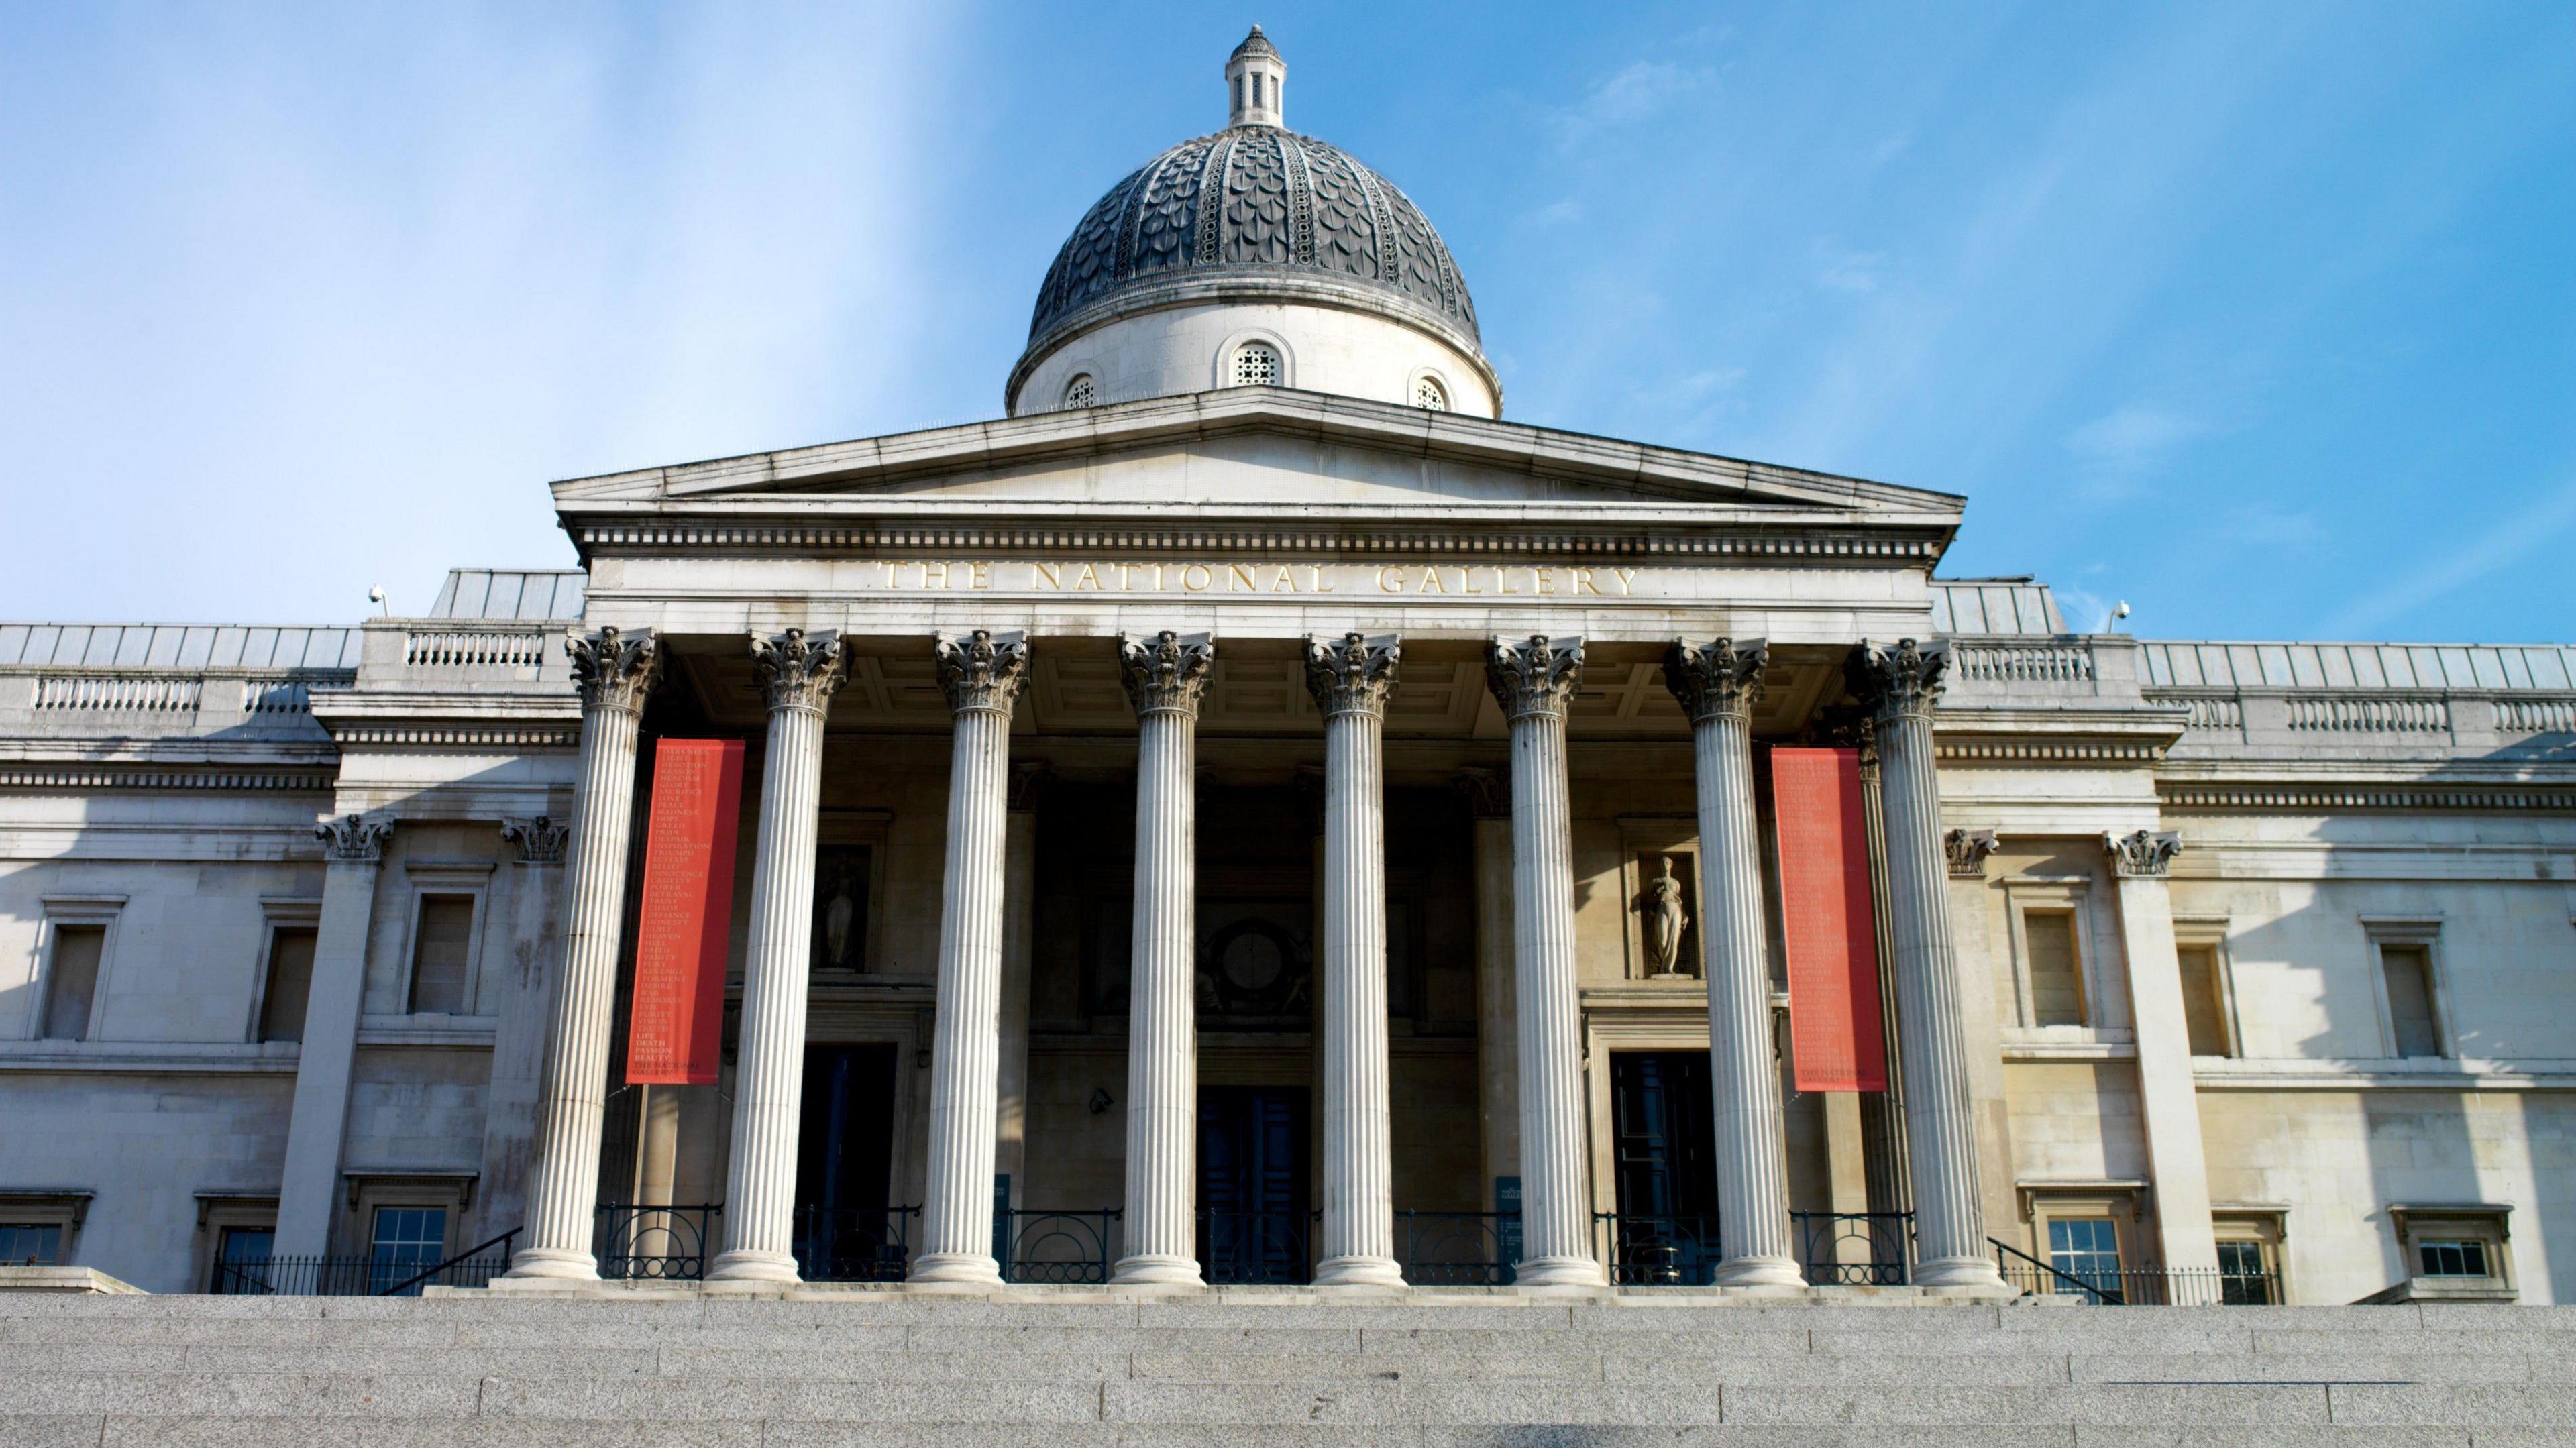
[1254, 77]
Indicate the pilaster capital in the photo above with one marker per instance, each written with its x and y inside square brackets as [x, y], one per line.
[355, 839]
[1167, 673]
[540, 838]
[1967, 850]
[2143, 852]
[799, 670]
[983, 670]
[1900, 681]
[1537, 675]
[1028, 780]
[1352, 674]
[1488, 792]
[614, 669]
[1845, 726]
[1717, 679]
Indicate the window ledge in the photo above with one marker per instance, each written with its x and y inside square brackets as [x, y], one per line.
[427, 1030]
[178, 1057]
[2218, 1073]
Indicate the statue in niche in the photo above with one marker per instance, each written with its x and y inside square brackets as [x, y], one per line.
[1661, 919]
[841, 910]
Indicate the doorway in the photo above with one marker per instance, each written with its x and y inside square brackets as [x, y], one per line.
[1253, 1219]
[1664, 1167]
[844, 1162]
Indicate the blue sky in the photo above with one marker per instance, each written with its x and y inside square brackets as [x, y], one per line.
[2261, 317]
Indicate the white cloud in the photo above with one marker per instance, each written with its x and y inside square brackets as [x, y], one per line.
[2501, 546]
[1637, 93]
[2132, 440]
[1557, 213]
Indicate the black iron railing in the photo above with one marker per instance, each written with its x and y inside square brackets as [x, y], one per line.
[854, 1244]
[1660, 1251]
[1258, 1247]
[1855, 1249]
[2140, 1286]
[650, 1243]
[1458, 1249]
[1059, 1246]
[387, 1274]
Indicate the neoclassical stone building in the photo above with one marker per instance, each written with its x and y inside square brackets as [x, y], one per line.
[1254, 813]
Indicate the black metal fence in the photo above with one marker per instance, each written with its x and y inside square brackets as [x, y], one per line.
[1073, 1247]
[846, 1244]
[644, 1243]
[1659, 1251]
[1458, 1249]
[1855, 1249]
[1257, 1247]
[2139, 1286]
[383, 1274]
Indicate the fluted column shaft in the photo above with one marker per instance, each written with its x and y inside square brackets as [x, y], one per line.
[1904, 683]
[614, 672]
[981, 673]
[1350, 678]
[1164, 677]
[799, 673]
[1534, 680]
[1716, 684]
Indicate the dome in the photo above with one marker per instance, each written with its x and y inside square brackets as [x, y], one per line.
[1254, 214]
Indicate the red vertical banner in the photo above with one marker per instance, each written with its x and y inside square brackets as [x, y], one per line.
[673, 1034]
[1834, 1020]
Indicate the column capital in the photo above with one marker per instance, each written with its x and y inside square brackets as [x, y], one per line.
[982, 670]
[1488, 792]
[355, 839]
[614, 669]
[1901, 680]
[799, 670]
[1536, 675]
[1967, 850]
[1716, 679]
[1352, 674]
[2143, 852]
[540, 838]
[1167, 673]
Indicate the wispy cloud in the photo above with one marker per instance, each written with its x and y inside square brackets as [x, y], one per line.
[1840, 268]
[2129, 442]
[1641, 91]
[1556, 213]
[2510, 541]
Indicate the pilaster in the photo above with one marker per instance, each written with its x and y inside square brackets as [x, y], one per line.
[2141, 863]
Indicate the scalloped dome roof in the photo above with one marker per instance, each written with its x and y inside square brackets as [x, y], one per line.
[1290, 211]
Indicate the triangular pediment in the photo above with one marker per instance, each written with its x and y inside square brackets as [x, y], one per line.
[1259, 451]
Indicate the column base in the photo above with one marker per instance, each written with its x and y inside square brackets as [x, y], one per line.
[554, 1264]
[1358, 1272]
[1757, 1272]
[969, 1269]
[1957, 1272]
[1558, 1272]
[742, 1265]
[1156, 1271]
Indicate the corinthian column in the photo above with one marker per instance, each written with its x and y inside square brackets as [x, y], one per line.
[1165, 676]
[1903, 685]
[982, 673]
[800, 673]
[614, 672]
[1534, 680]
[1350, 678]
[1716, 684]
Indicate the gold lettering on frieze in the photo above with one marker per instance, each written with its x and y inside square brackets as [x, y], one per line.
[1444, 581]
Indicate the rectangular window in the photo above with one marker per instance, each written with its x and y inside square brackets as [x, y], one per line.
[2412, 1027]
[71, 981]
[30, 1244]
[408, 1240]
[2056, 969]
[2244, 1279]
[2204, 1005]
[440, 949]
[2454, 1257]
[290, 983]
[2086, 1249]
[241, 1260]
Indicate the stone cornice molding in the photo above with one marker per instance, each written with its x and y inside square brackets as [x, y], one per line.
[614, 669]
[1488, 792]
[1537, 675]
[1967, 850]
[1165, 674]
[799, 670]
[69, 775]
[1352, 674]
[354, 838]
[1900, 681]
[983, 670]
[2046, 751]
[2143, 853]
[1718, 679]
[2279, 797]
[433, 736]
[540, 838]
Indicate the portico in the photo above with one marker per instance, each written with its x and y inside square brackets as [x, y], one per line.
[1170, 620]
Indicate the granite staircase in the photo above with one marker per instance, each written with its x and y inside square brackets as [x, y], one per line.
[1072, 1370]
